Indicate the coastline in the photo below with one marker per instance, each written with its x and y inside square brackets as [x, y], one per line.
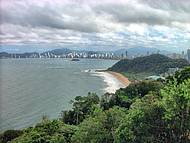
[124, 80]
[113, 80]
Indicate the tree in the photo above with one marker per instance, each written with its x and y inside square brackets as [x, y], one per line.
[163, 118]
[82, 107]
[10, 135]
[180, 76]
[124, 97]
[108, 100]
[99, 127]
[176, 102]
[143, 123]
[47, 132]
[152, 64]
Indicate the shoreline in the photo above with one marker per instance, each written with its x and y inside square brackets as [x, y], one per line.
[118, 80]
[114, 80]
[124, 80]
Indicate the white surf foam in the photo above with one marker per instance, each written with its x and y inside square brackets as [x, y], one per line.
[112, 82]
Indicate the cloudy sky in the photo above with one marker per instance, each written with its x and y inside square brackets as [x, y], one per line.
[95, 24]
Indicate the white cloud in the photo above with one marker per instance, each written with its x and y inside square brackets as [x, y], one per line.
[106, 23]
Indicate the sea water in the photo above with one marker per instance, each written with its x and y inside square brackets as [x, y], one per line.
[32, 88]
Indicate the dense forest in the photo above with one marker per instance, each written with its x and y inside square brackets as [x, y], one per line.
[143, 112]
[155, 63]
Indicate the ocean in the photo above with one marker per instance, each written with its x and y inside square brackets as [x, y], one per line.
[32, 88]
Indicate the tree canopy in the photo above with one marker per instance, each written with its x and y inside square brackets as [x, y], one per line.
[156, 64]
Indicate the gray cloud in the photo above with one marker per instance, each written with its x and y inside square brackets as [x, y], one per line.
[85, 18]
[170, 5]
[131, 14]
[104, 23]
[150, 12]
[35, 16]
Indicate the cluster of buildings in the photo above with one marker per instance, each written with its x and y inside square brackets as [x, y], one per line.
[91, 55]
[180, 56]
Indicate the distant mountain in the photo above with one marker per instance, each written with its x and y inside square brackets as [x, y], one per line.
[18, 55]
[140, 51]
[155, 63]
[59, 51]
[4, 54]
[67, 51]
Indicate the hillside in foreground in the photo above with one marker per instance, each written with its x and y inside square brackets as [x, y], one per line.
[156, 64]
[143, 112]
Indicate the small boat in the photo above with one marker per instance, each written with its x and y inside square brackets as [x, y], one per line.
[75, 59]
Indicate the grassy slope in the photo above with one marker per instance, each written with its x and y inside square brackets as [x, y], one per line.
[136, 76]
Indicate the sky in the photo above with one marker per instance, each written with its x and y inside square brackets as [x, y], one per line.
[95, 24]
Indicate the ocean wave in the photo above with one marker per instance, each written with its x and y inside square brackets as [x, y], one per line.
[88, 71]
[91, 70]
[112, 82]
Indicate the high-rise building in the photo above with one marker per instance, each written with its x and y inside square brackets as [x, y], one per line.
[122, 55]
[188, 54]
[183, 55]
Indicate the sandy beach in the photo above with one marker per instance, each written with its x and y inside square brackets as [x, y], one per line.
[113, 80]
[124, 80]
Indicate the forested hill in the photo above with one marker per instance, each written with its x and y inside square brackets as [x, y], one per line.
[155, 63]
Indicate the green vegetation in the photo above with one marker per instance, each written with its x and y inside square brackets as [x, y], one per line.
[143, 112]
[126, 96]
[159, 119]
[153, 64]
[136, 76]
[47, 132]
[82, 107]
[100, 127]
[10, 135]
[180, 76]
